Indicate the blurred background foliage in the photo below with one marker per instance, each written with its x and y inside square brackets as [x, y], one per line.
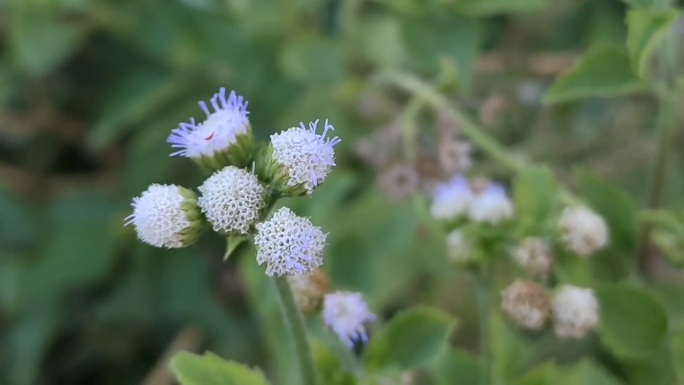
[90, 90]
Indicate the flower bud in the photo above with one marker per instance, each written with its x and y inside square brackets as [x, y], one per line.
[232, 200]
[224, 138]
[452, 199]
[289, 244]
[575, 312]
[491, 206]
[534, 256]
[582, 230]
[346, 314]
[309, 289]
[526, 304]
[166, 216]
[298, 159]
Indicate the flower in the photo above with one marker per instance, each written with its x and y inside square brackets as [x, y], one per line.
[345, 313]
[399, 181]
[222, 139]
[231, 200]
[309, 289]
[451, 199]
[166, 216]
[300, 158]
[534, 256]
[289, 244]
[575, 312]
[458, 248]
[582, 230]
[526, 304]
[455, 155]
[491, 206]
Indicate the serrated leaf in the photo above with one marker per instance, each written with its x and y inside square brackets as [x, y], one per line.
[411, 339]
[536, 193]
[646, 29]
[605, 72]
[210, 369]
[633, 323]
[494, 7]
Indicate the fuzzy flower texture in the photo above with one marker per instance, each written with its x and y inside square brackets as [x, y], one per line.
[225, 121]
[289, 244]
[305, 156]
[575, 312]
[451, 199]
[346, 314]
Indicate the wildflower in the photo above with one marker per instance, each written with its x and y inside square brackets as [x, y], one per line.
[289, 244]
[582, 230]
[526, 304]
[575, 312]
[534, 256]
[491, 206]
[299, 159]
[231, 200]
[459, 249]
[223, 138]
[399, 181]
[346, 313]
[166, 216]
[455, 156]
[452, 199]
[309, 289]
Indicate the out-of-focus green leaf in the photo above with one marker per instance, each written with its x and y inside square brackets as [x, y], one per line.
[25, 344]
[509, 349]
[209, 369]
[604, 72]
[439, 36]
[494, 7]
[411, 339]
[633, 324]
[328, 365]
[312, 59]
[40, 41]
[408, 7]
[541, 375]
[646, 3]
[536, 194]
[655, 368]
[457, 367]
[379, 40]
[678, 354]
[17, 224]
[646, 30]
[585, 373]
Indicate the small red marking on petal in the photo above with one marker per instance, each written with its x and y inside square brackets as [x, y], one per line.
[210, 137]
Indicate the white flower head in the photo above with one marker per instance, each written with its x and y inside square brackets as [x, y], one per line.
[346, 314]
[289, 244]
[231, 200]
[491, 206]
[304, 156]
[582, 230]
[166, 216]
[575, 312]
[225, 122]
[308, 290]
[459, 250]
[451, 199]
[534, 256]
[526, 304]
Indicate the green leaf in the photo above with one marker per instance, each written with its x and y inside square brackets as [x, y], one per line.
[540, 375]
[605, 72]
[457, 367]
[536, 194]
[412, 339]
[435, 37]
[585, 373]
[329, 366]
[632, 323]
[494, 7]
[646, 29]
[312, 59]
[232, 243]
[645, 3]
[678, 354]
[210, 369]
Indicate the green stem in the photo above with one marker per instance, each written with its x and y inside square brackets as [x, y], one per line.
[484, 302]
[295, 323]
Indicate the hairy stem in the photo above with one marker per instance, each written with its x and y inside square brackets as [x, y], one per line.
[295, 323]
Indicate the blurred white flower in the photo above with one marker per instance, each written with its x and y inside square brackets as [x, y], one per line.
[346, 314]
[575, 312]
[166, 216]
[582, 230]
[526, 304]
[289, 244]
[451, 199]
[534, 256]
[231, 199]
[304, 156]
[491, 206]
[459, 249]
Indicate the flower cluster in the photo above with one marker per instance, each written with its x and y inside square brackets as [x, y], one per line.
[247, 180]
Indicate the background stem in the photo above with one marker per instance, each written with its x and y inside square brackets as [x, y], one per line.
[484, 303]
[295, 323]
